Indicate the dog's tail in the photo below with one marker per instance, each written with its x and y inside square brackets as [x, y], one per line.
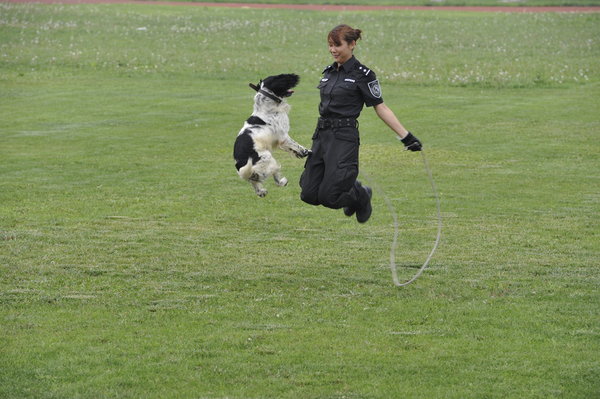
[246, 171]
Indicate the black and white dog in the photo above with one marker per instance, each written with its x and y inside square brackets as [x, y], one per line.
[265, 130]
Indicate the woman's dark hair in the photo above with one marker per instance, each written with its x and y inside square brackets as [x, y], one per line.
[344, 32]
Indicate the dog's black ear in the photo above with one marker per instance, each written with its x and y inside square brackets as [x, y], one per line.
[282, 84]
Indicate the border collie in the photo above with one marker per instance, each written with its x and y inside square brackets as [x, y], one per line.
[266, 130]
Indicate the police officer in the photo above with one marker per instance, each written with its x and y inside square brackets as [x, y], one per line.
[330, 172]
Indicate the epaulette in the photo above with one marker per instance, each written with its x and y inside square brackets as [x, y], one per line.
[328, 67]
[363, 69]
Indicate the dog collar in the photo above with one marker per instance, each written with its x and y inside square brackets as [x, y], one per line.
[265, 93]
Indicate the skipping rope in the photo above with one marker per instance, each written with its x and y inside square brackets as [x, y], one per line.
[395, 217]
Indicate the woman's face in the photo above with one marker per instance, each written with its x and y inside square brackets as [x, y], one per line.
[343, 52]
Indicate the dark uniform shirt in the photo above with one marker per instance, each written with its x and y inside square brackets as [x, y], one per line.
[345, 91]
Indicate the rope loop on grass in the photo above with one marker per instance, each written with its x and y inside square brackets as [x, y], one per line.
[388, 202]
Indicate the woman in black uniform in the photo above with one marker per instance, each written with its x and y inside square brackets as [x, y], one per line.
[330, 172]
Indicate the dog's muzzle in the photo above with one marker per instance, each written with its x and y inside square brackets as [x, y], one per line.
[271, 96]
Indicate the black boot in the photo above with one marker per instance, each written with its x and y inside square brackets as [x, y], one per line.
[350, 210]
[364, 212]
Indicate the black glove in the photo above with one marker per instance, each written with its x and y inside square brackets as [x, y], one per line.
[411, 143]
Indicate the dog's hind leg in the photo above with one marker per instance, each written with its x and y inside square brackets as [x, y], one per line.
[275, 169]
[280, 180]
[265, 166]
[291, 146]
[259, 189]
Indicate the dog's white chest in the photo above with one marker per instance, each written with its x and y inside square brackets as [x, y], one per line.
[281, 124]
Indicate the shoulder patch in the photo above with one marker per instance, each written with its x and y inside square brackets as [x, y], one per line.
[375, 89]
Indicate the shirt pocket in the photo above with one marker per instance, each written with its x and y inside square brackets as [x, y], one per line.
[346, 90]
[348, 85]
[322, 83]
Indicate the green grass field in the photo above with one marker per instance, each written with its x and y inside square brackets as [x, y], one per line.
[134, 263]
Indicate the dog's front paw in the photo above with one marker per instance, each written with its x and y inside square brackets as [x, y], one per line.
[303, 153]
[261, 192]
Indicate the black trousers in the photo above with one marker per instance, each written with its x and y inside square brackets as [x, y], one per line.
[330, 172]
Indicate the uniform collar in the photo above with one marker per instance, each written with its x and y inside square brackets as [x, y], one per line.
[346, 66]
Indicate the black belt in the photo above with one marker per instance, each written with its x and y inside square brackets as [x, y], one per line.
[324, 123]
